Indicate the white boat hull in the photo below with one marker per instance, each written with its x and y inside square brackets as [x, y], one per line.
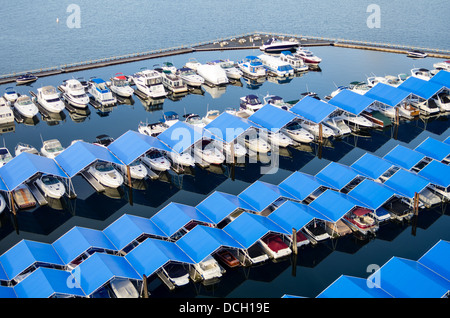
[55, 191]
[157, 164]
[112, 178]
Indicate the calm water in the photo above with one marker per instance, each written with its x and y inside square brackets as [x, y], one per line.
[31, 38]
[315, 267]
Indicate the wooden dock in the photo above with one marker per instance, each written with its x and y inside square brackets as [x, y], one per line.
[92, 181]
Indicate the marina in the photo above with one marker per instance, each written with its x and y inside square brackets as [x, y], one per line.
[145, 217]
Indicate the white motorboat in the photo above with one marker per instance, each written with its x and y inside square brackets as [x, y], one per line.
[6, 113]
[156, 160]
[252, 67]
[101, 92]
[359, 87]
[373, 80]
[445, 65]
[25, 106]
[193, 64]
[297, 63]
[307, 56]
[416, 54]
[275, 45]
[51, 186]
[230, 69]
[426, 107]
[103, 140]
[274, 246]
[250, 104]
[120, 86]
[296, 132]
[182, 159]
[254, 143]
[123, 288]
[360, 220]
[407, 110]
[443, 101]
[74, 93]
[176, 273]
[153, 129]
[276, 66]
[21, 147]
[316, 230]
[338, 126]
[238, 149]
[2, 203]
[213, 74]
[190, 77]
[26, 78]
[314, 129]
[194, 120]
[168, 66]
[169, 118]
[208, 269]
[137, 170]
[421, 73]
[276, 101]
[106, 174]
[356, 122]
[10, 95]
[48, 97]
[173, 82]
[394, 81]
[5, 156]
[279, 139]
[210, 116]
[149, 82]
[51, 148]
[206, 151]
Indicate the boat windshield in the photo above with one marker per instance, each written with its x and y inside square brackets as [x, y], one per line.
[155, 155]
[294, 126]
[104, 167]
[47, 180]
[135, 163]
[25, 101]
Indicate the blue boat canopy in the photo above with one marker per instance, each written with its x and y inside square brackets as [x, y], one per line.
[352, 287]
[7, 292]
[174, 216]
[81, 154]
[404, 278]
[437, 173]
[301, 185]
[260, 195]
[371, 166]
[334, 205]
[227, 127]
[203, 241]
[128, 228]
[26, 165]
[337, 175]
[100, 268]
[219, 205]
[404, 157]
[295, 215]
[181, 136]
[48, 282]
[387, 94]
[27, 253]
[248, 228]
[421, 88]
[79, 240]
[432, 148]
[442, 77]
[351, 102]
[437, 259]
[312, 109]
[132, 145]
[162, 252]
[271, 118]
[373, 194]
[407, 183]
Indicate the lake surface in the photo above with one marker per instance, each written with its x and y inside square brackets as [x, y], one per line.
[315, 268]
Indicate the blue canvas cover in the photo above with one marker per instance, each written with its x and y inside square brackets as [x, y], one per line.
[101, 268]
[352, 287]
[432, 148]
[351, 102]
[25, 166]
[248, 228]
[48, 282]
[219, 205]
[7, 292]
[271, 118]
[371, 166]
[78, 240]
[312, 109]
[174, 216]
[437, 173]
[227, 127]
[260, 195]
[162, 252]
[301, 185]
[387, 94]
[203, 241]
[128, 227]
[404, 157]
[26, 253]
[403, 278]
[406, 183]
[437, 259]
[337, 175]
[373, 194]
[442, 77]
[132, 145]
[421, 88]
[82, 154]
[181, 136]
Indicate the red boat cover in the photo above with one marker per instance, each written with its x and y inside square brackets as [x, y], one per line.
[275, 243]
[361, 211]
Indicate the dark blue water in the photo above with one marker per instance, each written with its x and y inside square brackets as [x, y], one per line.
[315, 268]
[31, 38]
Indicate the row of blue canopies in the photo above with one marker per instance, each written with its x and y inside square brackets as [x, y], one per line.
[84, 260]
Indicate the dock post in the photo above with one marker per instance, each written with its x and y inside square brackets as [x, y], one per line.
[294, 241]
[144, 293]
[14, 213]
[130, 187]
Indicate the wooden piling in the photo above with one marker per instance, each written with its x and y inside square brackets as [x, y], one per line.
[294, 241]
